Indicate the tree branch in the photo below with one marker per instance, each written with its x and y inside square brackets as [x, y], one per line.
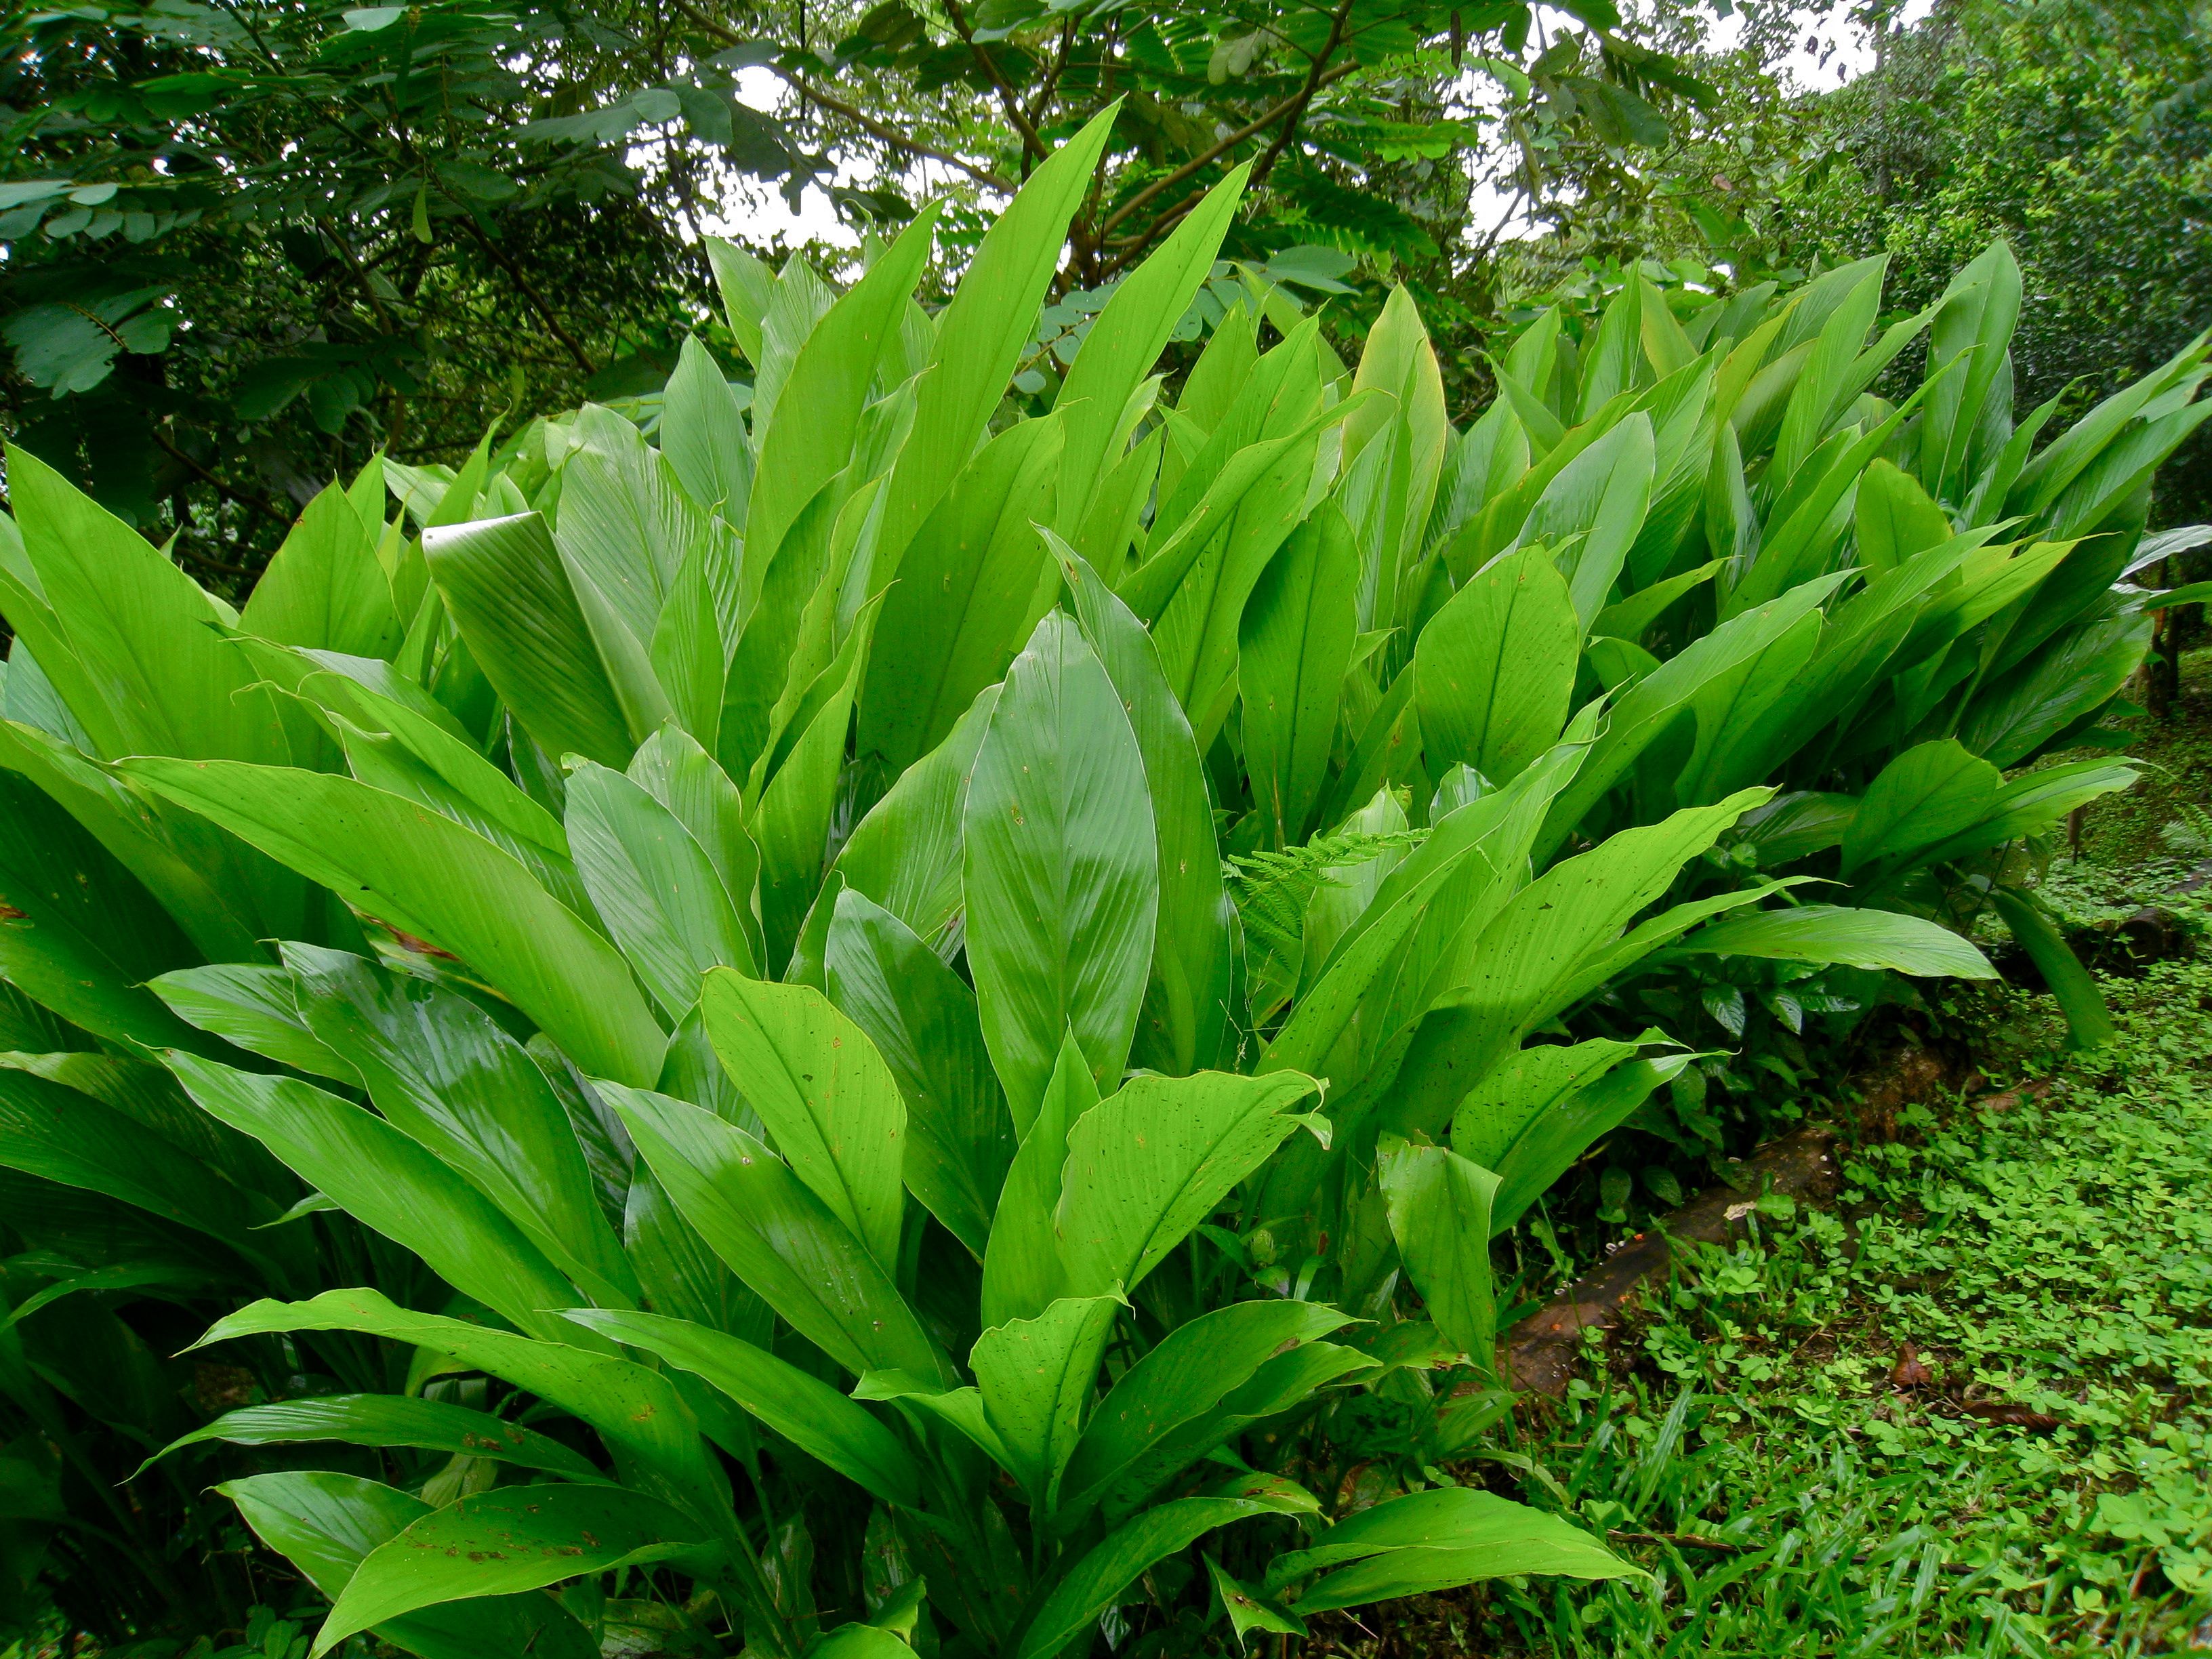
[282, 520]
[1297, 102]
[867, 124]
[1315, 79]
[1051, 83]
[1032, 146]
[522, 284]
[876, 130]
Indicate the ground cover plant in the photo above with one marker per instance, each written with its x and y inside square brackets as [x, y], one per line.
[865, 1023]
[1966, 1412]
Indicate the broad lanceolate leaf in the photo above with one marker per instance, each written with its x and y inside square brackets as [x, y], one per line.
[1558, 938]
[326, 1524]
[778, 1236]
[1495, 668]
[251, 1006]
[1184, 1020]
[1293, 645]
[507, 587]
[502, 1542]
[792, 823]
[1062, 868]
[635, 1411]
[1436, 1540]
[1036, 1376]
[1025, 1271]
[702, 433]
[906, 853]
[1148, 1165]
[388, 1419]
[1126, 341]
[2088, 1022]
[131, 642]
[82, 937]
[824, 1093]
[1115, 1562]
[325, 588]
[808, 434]
[921, 1015]
[979, 336]
[1133, 1437]
[654, 885]
[1926, 795]
[796, 1403]
[1439, 1209]
[1829, 933]
[427, 875]
[55, 1132]
[440, 1069]
[388, 1183]
[973, 583]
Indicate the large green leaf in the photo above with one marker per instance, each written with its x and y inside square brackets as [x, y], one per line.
[1560, 936]
[202, 877]
[796, 1403]
[792, 823]
[1495, 668]
[54, 1132]
[1592, 511]
[388, 1419]
[1550, 1141]
[1185, 1016]
[973, 583]
[79, 934]
[1150, 1162]
[906, 854]
[443, 1073]
[1895, 518]
[777, 1236]
[1294, 644]
[635, 1411]
[654, 885]
[324, 588]
[702, 433]
[980, 337]
[1023, 1271]
[1647, 708]
[1861, 938]
[1436, 1540]
[1062, 868]
[428, 876]
[502, 1542]
[1926, 795]
[824, 1093]
[624, 532]
[158, 678]
[1439, 1209]
[505, 584]
[1036, 1376]
[1126, 339]
[2088, 1022]
[921, 1016]
[811, 422]
[325, 1523]
[1397, 443]
[1091, 1585]
[389, 1183]
[1189, 1372]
